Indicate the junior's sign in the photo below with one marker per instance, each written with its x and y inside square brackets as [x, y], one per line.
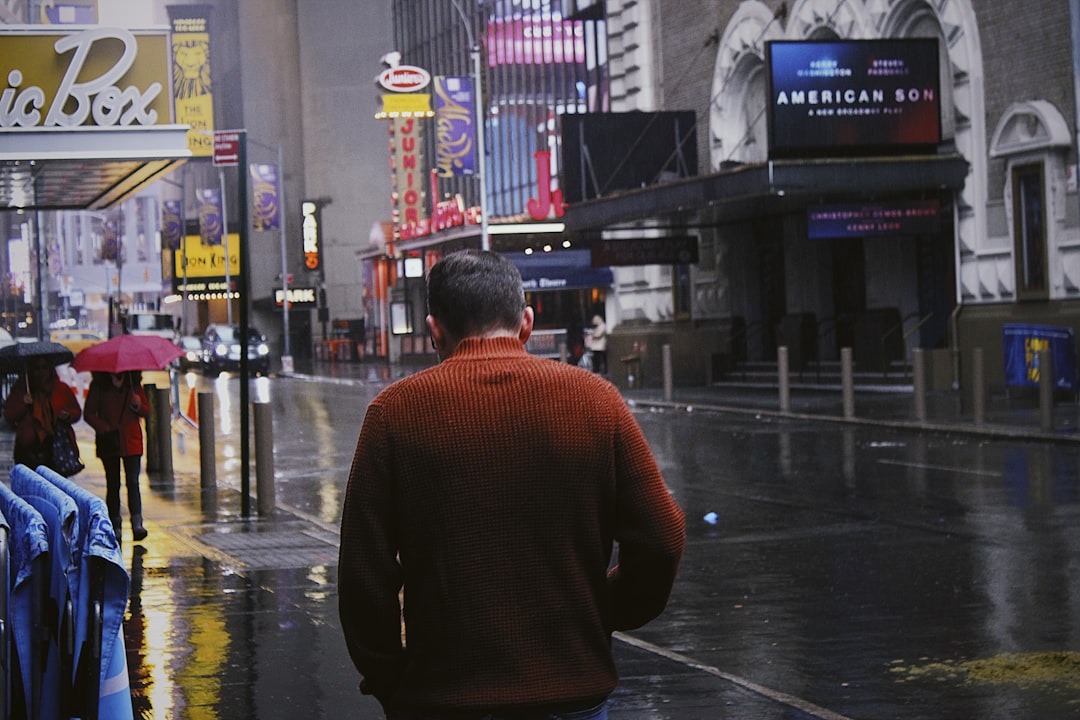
[853, 97]
[100, 76]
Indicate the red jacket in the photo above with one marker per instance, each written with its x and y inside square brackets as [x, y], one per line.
[34, 432]
[110, 408]
[493, 487]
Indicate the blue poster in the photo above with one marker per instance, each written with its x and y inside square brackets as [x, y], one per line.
[266, 203]
[171, 225]
[210, 226]
[455, 126]
[1022, 343]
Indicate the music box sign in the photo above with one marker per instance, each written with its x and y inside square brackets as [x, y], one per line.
[93, 77]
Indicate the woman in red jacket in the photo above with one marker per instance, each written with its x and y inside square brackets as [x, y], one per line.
[37, 405]
[115, 403]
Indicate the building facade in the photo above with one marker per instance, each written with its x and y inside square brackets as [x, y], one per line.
[1002, 176]
[634, 166]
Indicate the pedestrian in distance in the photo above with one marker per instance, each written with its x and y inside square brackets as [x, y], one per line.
[489, 492]
[598, 344]
[38, 406]
[115, 405]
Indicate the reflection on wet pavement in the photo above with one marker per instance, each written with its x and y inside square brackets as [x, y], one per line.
[846, 572]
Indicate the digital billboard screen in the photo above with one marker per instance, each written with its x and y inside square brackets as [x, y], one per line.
[853, 97]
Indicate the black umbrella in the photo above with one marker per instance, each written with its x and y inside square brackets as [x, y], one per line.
[13, 358]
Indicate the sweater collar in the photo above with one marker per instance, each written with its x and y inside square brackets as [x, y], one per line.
[476, 347]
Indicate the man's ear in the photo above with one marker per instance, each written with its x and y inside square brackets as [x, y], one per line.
[527, 320]
[438, 335]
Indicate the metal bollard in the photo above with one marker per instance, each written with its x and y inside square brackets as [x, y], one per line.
[152, 463]
[978, 387]
[163, 413]
[783, 370]
[665, 355]
[207, 448]
[264, 458]
[848, 382]
[1046, 391]
[918, 366]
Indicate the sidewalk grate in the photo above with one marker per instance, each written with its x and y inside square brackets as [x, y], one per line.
[273, 550]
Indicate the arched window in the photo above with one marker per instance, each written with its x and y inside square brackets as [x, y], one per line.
[1033, 139]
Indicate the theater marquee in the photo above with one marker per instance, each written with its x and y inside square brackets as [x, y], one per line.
[853, 97]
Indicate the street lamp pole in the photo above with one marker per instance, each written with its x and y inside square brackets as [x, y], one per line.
[481, 118]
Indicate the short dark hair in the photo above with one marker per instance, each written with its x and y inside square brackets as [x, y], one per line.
[471, 292]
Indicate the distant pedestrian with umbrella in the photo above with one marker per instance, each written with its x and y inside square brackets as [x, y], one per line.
[39, 405]
[115, 405]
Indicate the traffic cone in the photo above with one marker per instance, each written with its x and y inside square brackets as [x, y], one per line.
[193, 408]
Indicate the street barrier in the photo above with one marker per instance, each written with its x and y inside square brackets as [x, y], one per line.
[207, 450]
[264, 458]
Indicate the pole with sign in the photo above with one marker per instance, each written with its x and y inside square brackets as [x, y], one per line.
[230, 150]
[226, 154]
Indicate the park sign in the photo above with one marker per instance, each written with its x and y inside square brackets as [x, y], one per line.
[91, 77]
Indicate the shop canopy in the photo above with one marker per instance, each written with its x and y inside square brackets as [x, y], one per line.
[88, 117]
[560, 270]
[742, 192]
[85, 168]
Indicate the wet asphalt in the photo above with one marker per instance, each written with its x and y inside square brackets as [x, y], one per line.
[875, 566]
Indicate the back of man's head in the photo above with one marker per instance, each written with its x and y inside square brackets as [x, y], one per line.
[472, 292]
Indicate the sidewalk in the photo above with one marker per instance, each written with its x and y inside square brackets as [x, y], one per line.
[1015, 416]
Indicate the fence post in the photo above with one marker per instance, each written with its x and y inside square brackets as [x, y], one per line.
[207, 448]
[847, 376]
[1046, 391]
[665, 354]
[152, 463]
[978, 387]
[783, 370]
[918, 362]
[264, 458]
[163, 413]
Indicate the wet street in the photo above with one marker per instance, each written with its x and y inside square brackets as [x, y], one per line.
[831, 572]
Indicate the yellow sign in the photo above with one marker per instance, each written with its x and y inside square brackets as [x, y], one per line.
[99, 76]
[207, 260]
[405, 105]
[192, 89]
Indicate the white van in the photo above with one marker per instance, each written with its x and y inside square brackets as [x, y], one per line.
[147, 322]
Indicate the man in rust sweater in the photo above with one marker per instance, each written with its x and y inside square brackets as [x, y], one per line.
[489, 492]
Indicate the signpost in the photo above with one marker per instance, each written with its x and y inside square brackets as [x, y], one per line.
[230, 150]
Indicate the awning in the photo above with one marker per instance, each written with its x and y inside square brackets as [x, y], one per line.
[770, 188]
[87, 168]
[89, 118]
[560, 270]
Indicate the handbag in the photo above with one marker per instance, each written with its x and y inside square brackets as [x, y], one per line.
[66, 460]
[108, 443]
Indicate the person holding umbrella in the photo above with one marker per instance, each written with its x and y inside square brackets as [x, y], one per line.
[115, 403]
[46, 407]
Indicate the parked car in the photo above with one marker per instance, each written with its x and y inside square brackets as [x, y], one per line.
[221, 350]
[76, 340]
[192, 357]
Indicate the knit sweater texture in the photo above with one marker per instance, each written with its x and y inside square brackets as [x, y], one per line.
[492, 488]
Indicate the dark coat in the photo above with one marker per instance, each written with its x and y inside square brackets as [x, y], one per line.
[111, 408]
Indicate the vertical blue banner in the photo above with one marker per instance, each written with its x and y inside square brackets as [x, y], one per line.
[455, 126]
[171, 225]
[111, 230]
[265, 203]
[209, 203]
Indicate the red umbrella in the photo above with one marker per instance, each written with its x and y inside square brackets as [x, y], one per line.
[127, 352]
